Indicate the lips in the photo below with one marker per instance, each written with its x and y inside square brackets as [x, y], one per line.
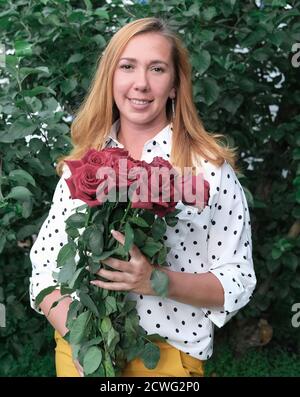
[137, 101]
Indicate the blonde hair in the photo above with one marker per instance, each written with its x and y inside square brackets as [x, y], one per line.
[98, 111]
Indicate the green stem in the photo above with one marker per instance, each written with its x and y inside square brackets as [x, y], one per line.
[125, 215]
[135, 212]
[89, 211]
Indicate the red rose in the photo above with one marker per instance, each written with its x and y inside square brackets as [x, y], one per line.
[140, 193]
[162, 186]
[156, 188]
[83, 184]
[125, 171]
[104, 157]
[195, 190]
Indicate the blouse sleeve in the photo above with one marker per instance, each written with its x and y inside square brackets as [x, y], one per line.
[229, 244]
[52, 236]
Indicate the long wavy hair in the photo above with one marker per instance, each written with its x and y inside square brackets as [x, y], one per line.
[97, 113]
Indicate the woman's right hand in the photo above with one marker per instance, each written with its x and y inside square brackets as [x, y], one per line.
[79, 368]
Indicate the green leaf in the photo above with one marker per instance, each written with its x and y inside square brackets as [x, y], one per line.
[201, 62]
[138, 221]
[82, 207]
[69, 85]
[162, 255]
[78, 329]
[76, 277]
[76, 220]
[139, 237]
[46, 291]
[253, 38]
[2, 240]
[192, 11]
[67, 271]
[209, 13]
[22, 177]
[160, 282]
[150, 248]
[19, 129]
[130, 327]
[211, 90]
[87, 301]
[106, 254]
[150, 355]
[19, 193]
[26, 231]
[101, 13]
[113, 338]
[159, 229]
[25, 72]
[38, 90]
[276, 253]
[110, 305]
[99, 40]
[72, 232]
[23, 48]
[92, 360]
[148, 216]
[75, 58]
[171, 218]
[27, 208]
[88, 5]
[232, 103]
[129, 237]
[105, 325]
[95, 241]
[72, 312]
[67, 252]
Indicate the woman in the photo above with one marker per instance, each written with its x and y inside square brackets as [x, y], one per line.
[141, 99]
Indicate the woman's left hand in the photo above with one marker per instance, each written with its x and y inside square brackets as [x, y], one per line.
[133, 275]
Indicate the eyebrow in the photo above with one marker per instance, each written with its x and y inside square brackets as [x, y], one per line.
[153, 61]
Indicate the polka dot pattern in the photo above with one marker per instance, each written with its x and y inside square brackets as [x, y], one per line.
[216, 239]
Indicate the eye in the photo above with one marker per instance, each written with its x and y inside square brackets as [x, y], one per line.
[126, 66]
[158, 69]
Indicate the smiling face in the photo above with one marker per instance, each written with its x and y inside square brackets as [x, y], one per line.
[143, 80]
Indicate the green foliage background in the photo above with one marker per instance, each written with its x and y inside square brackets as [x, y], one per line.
[245, 86]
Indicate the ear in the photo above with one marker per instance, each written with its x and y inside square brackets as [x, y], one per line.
[172, 94]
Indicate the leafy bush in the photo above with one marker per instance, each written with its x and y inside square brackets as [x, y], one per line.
[244, 86]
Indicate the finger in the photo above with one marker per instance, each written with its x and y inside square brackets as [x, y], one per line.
[111, 286]
[113, 275]
[117, 264]
[134, 251]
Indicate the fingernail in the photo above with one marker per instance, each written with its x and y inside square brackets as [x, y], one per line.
[113, 231]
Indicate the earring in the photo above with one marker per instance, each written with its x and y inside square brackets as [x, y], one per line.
[173, 108]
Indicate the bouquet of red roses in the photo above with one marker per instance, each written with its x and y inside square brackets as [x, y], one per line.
[138, 199]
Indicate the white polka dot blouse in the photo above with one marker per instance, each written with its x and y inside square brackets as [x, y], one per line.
[216, 239]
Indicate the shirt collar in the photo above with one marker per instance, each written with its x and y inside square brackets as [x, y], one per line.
[163, 138]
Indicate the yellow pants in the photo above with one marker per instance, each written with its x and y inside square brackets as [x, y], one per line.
[172, 362]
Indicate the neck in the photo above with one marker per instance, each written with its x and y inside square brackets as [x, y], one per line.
[133, 135]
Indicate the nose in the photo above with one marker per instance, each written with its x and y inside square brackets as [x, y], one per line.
[141, 81]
